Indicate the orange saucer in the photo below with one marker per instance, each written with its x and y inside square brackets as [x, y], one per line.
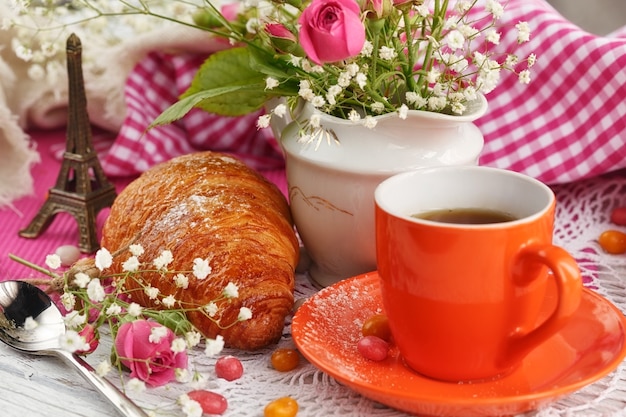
[327, 327]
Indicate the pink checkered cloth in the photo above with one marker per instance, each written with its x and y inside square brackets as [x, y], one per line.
[569, 123]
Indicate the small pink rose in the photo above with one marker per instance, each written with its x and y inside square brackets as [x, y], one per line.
[282, 39]
[149, 359]
[331, 30]
[278, 30]
[91, 338]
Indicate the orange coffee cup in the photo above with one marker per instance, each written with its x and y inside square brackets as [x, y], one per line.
[464, 301]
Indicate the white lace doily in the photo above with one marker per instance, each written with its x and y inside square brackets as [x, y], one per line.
[582, 214]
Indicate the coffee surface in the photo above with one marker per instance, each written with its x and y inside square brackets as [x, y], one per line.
[466, 216]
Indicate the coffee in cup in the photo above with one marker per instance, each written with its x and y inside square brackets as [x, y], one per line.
[470, 279]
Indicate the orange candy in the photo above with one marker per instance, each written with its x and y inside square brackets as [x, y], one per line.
[613, 241]
[377, 325]
[282, 407]
[284, 359]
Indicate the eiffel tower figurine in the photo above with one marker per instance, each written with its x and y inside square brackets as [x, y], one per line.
[81, 188]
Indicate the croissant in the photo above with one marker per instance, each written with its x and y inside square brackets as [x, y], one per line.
[211, 206]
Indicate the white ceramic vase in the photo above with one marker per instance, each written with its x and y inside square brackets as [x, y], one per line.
[331, 183]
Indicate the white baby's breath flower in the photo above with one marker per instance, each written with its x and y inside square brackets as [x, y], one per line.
[71, 341]
[335, 90]
[30, 323]
[157, 334]
[22, 52]
[136, 385]
[367, 49]
[103, 259]
[182, 281]
[151, 292]
[495, 8]
[231, 290]
[131, 264]
[296, 61]
[433, 75]
[437, 103]
[463, 6]
[103, 368]
[244, 314]
[455, 40]
[95, 291]
[178, 345]
[263, 121]
[468, 31]
[271, 83]
[532, 58]
[354, 116]
[169, 301]
[134, 309]
[361, 80]
[318, 101]
[280, 110]
[457, 107]
[81, 279]
[68, 300]
[415, 99]
[214, 346]
[201, 268]
[470, 93]
[523, 32]
[524, 77]
[370, 122]
[53, 261]
[74, 319]
[113, 310]
[192, 338]
[163, 260]
[493, 36]
[306, 92]
[378, 107]
[403, 111]
[352, 69]
[387, 53]
[136, 250]
[211, 309]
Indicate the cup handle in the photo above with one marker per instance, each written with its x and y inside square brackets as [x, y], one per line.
[569, 290]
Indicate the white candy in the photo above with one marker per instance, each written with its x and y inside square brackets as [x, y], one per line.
[68, 254]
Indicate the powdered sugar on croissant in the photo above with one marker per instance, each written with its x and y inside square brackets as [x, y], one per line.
[212, 206]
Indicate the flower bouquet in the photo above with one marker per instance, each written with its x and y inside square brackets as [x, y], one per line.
[352, 59]
[150, 344]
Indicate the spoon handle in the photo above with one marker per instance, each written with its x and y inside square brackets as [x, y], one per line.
[110, 391]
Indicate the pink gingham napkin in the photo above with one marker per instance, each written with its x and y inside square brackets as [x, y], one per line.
[569, 123]
[154, 84]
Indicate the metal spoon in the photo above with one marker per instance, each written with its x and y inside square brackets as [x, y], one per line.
[20, 300]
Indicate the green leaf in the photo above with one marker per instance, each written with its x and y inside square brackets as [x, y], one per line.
[231, 83]
[232, 86]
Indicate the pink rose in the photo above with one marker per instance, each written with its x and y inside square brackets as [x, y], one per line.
[282, 39]
[278, 30]
[149, 354]
[91, 338]
[331, 30]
